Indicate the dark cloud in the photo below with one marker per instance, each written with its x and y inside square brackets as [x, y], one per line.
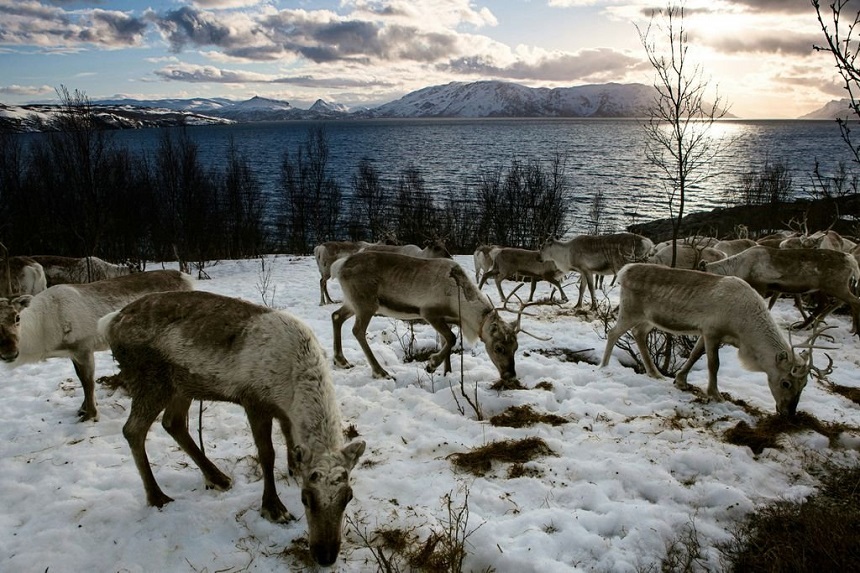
[189, 26]
[587, 65]
[777, 6]
[768, 42]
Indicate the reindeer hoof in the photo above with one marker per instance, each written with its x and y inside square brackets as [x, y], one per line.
[222, 483]
[84, 415]
[342, 363]
[277, 514]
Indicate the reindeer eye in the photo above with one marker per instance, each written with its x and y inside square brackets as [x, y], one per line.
[786, 384]
[17, 319]
[314, 477]
[500, 349]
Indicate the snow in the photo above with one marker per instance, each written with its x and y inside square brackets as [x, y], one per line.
[638, 462]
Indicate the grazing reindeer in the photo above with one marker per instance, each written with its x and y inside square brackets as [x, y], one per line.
[596, 254]
[796, 271]
[435, 290]
[509, 263]
[687, 256]
[175, 347]
[61, 321]
[72, 270]
[21, 275]
[717, 309]
[326, 254]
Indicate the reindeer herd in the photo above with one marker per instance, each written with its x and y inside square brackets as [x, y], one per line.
[174, 344]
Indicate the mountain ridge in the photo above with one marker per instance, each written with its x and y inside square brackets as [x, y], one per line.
[481, 99]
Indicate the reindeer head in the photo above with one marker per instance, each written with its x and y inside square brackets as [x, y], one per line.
[787, 381]
[10, 321]
[500, 338]
[789, 378]
[325, 493]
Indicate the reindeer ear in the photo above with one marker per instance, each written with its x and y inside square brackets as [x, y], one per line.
[21, 302]
[781, 358]
[352, 452]
[301, 454]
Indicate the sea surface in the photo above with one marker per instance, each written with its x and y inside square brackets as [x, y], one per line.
[600, 155]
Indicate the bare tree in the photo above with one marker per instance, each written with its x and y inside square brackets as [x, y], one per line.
[678, 140]
[843, 43]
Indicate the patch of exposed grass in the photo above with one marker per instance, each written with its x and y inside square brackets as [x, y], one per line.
[766, 433]
[849, 392]
[818, 534]
[480, 460]
[523, 416]
[299, 553]
[569, 355]
[544, 385]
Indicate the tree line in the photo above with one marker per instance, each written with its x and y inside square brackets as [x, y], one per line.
[75, 192]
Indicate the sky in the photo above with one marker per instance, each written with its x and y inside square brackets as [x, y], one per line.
[757, 53]
[637, 463]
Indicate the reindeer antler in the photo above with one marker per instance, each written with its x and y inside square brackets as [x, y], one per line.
[524, 306]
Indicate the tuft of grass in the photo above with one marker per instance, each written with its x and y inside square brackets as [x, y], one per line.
[299, 553]
[479, 461]
[523, 416]
[849, 392]
[544, 385]
[351, 432]
[113, 381]
[509, 384]
[817, 534]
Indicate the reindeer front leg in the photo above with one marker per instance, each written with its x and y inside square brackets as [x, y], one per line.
[448, 340]
[85, 368]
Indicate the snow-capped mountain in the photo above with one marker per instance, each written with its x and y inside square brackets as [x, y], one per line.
[32, 118]
[837, 108]
[504, 99]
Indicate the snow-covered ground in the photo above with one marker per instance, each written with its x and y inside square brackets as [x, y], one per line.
[638, 461]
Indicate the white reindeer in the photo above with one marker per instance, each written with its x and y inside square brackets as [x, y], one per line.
[796, 271]
[511, 263]
[73, 270]
[175, 347]
[596, 255]
[21, 275]
[61, 322]
[483, 259]
[687, 256]
[435, 290]
[717, 309]
[734, 246]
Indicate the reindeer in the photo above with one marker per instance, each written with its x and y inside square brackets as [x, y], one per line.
[687, 256]
[717, 309]
[435, 290]
[483, 259]
[175, 347]
[596, 254]
[509, 263]
[21, 275]
[73, 270]
[796, 271]
[326, 254]
[61, 322]
[734, 246]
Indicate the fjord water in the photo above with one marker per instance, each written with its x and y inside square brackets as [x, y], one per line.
[605, 155]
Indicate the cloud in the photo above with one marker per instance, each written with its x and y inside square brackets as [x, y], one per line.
[226, 4]
[586, 65]
[32, 23]
[25, 90]
[209, 74]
